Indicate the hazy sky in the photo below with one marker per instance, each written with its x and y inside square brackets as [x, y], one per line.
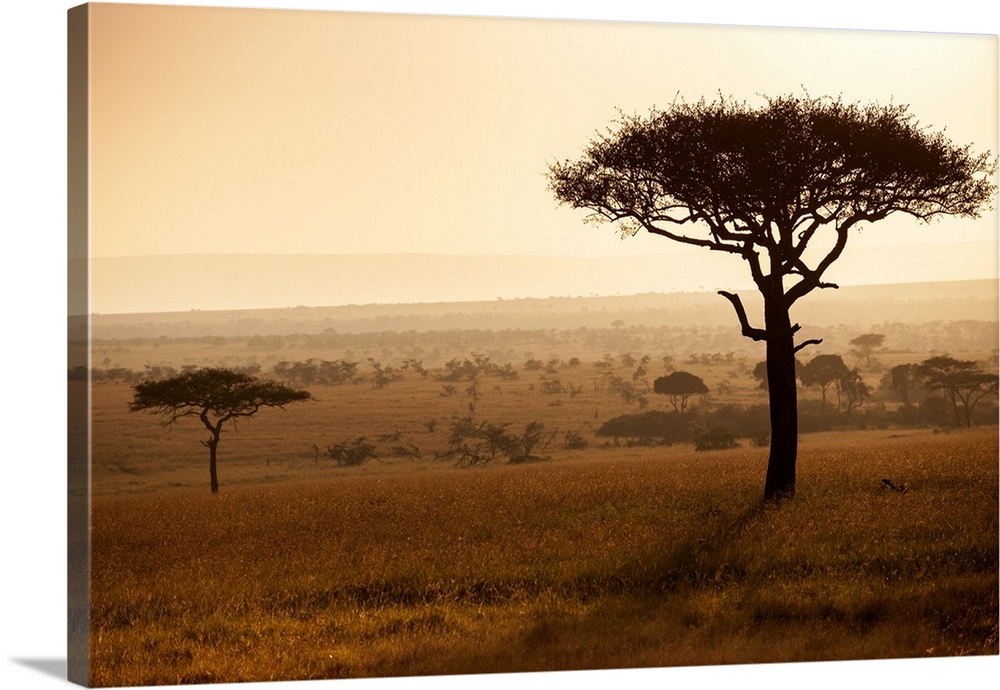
[271, 131]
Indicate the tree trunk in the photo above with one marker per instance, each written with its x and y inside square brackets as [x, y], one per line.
[213, 445]
[954, 406]
[782, 398]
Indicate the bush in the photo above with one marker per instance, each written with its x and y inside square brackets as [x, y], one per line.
[715, 438]
[934, 409]
[349, 453]
[551, 387]
[574, 441]
[478, 443]
[645, 442]
[744, 420]
[669, 426]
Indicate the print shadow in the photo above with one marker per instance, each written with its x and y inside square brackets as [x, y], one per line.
[50, 667]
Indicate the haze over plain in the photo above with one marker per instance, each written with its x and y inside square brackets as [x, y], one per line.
[232, 141]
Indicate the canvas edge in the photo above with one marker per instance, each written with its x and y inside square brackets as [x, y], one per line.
[78, 347]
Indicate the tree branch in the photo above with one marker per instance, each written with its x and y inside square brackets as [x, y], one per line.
[812, 341]
[684, 239]
[811, 278]
[741, 314]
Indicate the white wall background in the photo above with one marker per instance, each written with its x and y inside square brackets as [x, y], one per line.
[32, 390]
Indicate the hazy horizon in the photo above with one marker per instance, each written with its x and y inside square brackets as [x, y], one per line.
[317, 133]
[251, 281]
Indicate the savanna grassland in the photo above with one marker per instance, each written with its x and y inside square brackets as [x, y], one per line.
[591, 551]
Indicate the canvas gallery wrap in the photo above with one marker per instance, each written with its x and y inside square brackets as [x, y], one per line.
[413, 345]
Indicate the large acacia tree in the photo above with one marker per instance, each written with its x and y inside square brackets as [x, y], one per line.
[962, 381]
[216, 397]
[779, 187]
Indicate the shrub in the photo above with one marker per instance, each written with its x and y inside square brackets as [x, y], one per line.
[669, 426]
[520, 447]
[715, 438]
[551, 387]
[479, 443]
[645, 442]
[407, 451]
[574, 441]
[349, 453]
[743, 420]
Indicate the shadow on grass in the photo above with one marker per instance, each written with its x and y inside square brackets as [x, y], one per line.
[691, 563]
[643, 615]
[705, 550]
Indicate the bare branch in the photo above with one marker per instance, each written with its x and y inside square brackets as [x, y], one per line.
[716, 245]
[741, 313]
[812, 341]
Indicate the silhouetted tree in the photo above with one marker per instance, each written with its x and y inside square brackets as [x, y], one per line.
[760, 374]
[680, 385]
[901, 380]
[962, 381]
[823, 371]
[764, 184]
[852, 391]
[865, 346]
[215, 396]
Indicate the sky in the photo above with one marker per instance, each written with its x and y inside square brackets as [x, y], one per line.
[254, 131]
[34, 213]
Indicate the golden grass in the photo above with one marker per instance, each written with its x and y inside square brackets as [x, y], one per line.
[606, 558]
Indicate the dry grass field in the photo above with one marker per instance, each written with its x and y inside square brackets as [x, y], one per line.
[606, 556]
[642, 557]
[594, 552]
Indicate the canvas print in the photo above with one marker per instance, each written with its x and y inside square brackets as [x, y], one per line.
[409, 345]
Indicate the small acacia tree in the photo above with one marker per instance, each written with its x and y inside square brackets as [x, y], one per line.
[852, 391]
[215, 396]
[764, 184]
[823, 371]
[680, 385]
[865, 346]
[902, 380]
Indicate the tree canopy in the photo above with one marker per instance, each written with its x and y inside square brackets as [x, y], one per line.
[764, 183]
[224, 393]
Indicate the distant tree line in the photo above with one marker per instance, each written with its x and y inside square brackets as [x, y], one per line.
[939, 391]
[921, 391]
[693, 345]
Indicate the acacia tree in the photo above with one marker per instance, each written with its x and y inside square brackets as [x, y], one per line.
[852, 391]
[901, 380]
[962, 381]
[215, 396]
[763, 185]
[823, 371]
[680, 385]
[865, 346]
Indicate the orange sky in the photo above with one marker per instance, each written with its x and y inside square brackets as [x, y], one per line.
[310, 132]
